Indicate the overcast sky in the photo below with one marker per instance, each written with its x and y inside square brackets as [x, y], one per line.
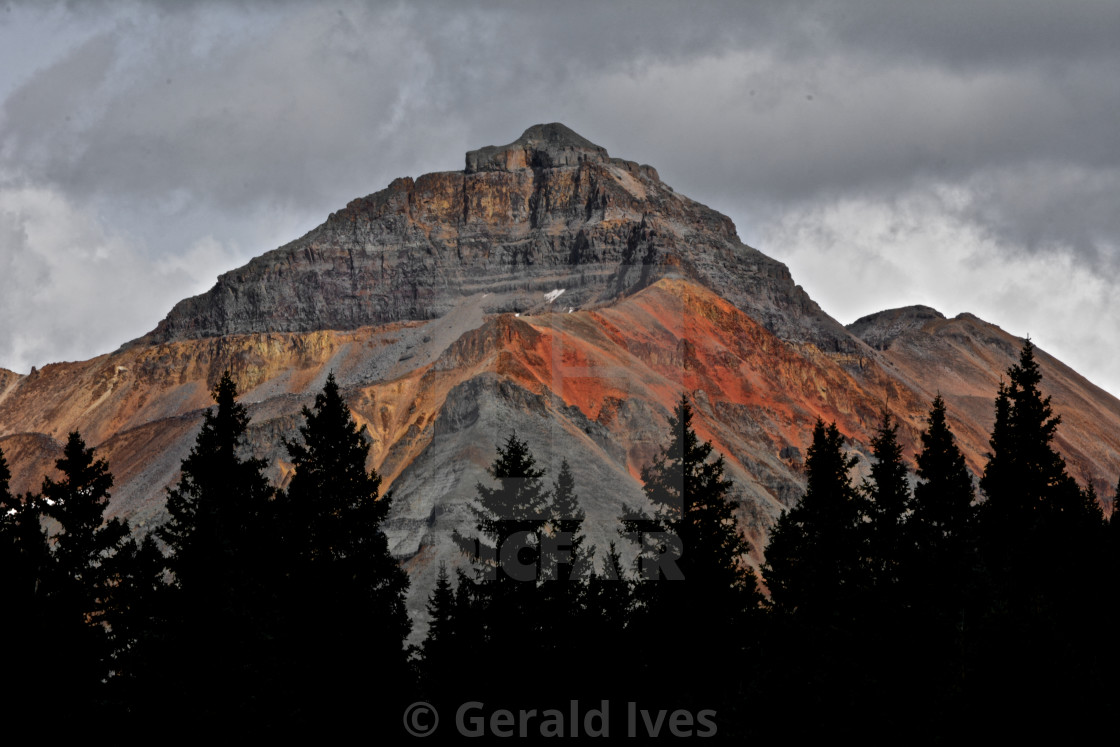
[961, 155]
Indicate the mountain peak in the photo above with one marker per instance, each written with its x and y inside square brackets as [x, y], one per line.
[880, 329]
[540, 146]
[550, 212]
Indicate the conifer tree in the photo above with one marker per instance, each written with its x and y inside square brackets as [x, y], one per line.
[441, 617]
[349, 591]
[571, 559]
[511, 514]
[694, 513]
[943, 514]
[1034, 504]
[609, 650]
[219, 505]
[442, 663]
[888, 499]
[24, 558]
[139, 616]
[23, 544]
[504, 610]
[815, 561]
[942, 525]
[217, 656]
[1025, 479]
[79, 578]
[77, 502]
[703, 606]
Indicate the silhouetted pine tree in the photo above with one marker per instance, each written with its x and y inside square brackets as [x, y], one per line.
[347, 591]
[940, 578]
[888, 498]
[704, 610]
[220, 540]
[817, 572]
[816, 559]
[566, 564]
[510, 519]
[1033, 506]
[442, 662]
[884, 623]
[572, 558]
[80, 577]
[24, 558]
[943, 521]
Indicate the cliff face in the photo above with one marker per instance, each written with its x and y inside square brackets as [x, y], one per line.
[550, 211]
[547, 289]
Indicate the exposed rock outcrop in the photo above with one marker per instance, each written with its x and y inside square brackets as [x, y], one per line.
[550, 211]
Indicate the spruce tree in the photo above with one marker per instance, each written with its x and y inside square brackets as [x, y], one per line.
[703, 605]
[1025, 479]
[441, 662]
[693, 522]
[218, 655]
[888, 499]
[221, 502]
[610, 651]
[943, 513]
[23, 545]
[24, 624]
[506, 608]
[348, 590]
[828, 628]
[1033, 506]
[510, 515]
[78, 502]
[942, 525]
[816, 559]
[80, 574]
[570, 558]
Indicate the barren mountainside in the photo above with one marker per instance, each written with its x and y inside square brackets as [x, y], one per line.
[549, 289]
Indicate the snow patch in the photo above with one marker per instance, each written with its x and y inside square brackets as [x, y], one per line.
[552, 295]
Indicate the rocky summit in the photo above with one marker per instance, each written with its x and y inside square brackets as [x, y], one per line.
[547, 289]
[549, 213]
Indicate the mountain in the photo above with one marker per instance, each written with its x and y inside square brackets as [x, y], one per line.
[546, 289]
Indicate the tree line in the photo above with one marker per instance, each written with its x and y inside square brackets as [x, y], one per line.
[936, 609]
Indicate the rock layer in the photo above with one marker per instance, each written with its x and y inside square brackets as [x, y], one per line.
[549, 212]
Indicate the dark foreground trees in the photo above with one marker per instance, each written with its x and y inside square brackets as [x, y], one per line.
[927, 612]
[533, 629]
[285, 609]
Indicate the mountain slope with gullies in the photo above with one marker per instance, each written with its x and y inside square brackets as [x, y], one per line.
[546, 289]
